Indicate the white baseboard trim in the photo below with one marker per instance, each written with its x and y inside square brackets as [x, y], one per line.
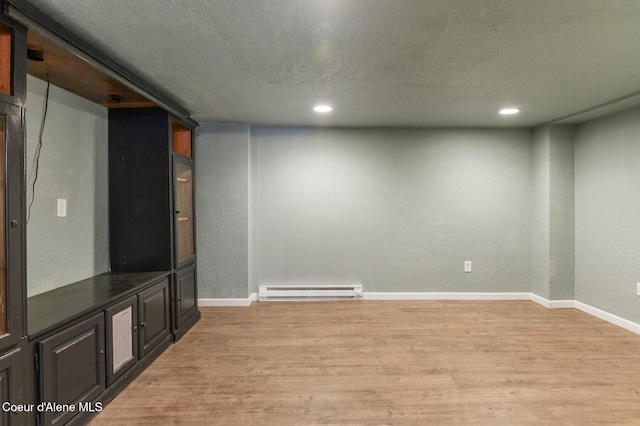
[551, 304]
[606, 316]
[445, 296]
[239, 302]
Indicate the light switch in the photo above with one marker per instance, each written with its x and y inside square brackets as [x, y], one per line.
[61, 207]
[467, 266]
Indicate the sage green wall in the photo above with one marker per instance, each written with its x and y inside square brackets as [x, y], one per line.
[397, 210]
[540, 213]
[394, 209]
[552, 248]
[74, 166]
[222, 209]
[607, 225]
[562, 213]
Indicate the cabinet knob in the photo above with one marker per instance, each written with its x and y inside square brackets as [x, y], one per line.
[143, 324]
[14, 223]
[135, 328]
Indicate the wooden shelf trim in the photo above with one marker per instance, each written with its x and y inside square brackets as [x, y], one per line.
[79, 51]
[181, 139]
[6, 35]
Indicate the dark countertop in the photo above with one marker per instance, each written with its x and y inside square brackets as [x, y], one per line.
[46, 311]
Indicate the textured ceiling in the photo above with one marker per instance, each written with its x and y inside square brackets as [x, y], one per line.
[378, 62]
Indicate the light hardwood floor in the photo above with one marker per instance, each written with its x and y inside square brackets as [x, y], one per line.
[390, 362]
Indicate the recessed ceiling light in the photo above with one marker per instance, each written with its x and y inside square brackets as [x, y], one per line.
[509, 111]
[322, 108]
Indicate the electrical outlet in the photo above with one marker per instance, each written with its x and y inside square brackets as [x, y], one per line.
[61, 207]
[467, 266]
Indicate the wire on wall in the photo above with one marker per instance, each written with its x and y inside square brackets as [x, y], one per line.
[36, 159]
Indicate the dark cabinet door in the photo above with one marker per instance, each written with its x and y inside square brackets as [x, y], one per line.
[72, 367]
[184, 217]
[11, 231]
[11, 371]
[153, 309]
[122, 337]
[186, 295]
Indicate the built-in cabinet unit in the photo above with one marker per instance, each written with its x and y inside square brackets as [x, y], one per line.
[152, 223]
[82, 343]
[13, 347]
[91, 337]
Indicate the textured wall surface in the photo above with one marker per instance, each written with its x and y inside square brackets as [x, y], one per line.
[607, 160]
[552, 243]
[540, 213]
[222, 210]
[73, 165]
[398, 210]
[562, 213]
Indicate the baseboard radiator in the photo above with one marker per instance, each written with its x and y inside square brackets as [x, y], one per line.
[309, 292]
